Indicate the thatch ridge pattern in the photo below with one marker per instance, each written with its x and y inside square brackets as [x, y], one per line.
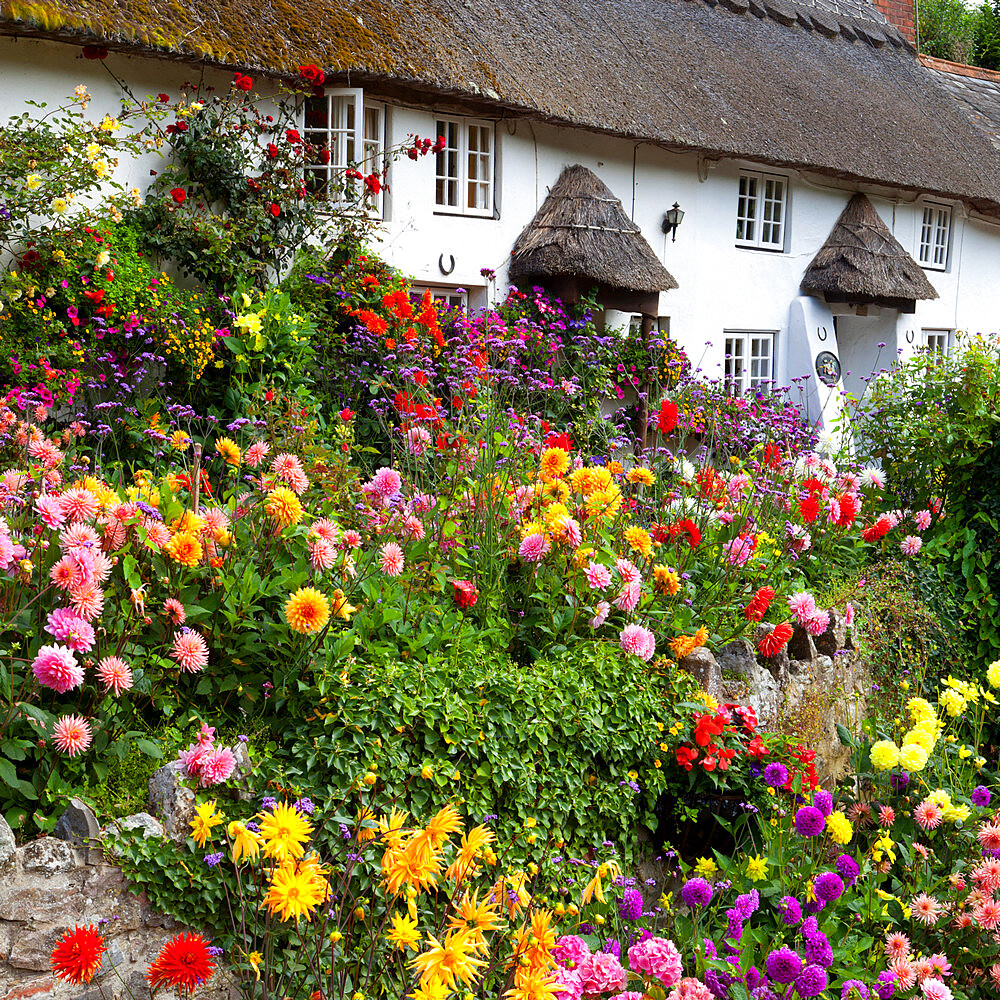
[861, 261]
[582, 231]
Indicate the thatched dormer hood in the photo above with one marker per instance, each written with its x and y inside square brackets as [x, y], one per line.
[862, 263]
[582, 233]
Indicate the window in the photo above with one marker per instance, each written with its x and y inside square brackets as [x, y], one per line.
[463, 173]
[345, 131]
[749, 360]
[448, 299]
[937, 341]
[760, 211]
[935, 236]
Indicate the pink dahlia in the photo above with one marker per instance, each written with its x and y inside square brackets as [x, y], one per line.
[72, 734]
[174, 610]
[598, 576]
[934, 989]
[567, 984]
[79, 504]
[926, 909]
[628, 571]
[68, 627]
[56, 667]
[391, 559]
[602, 611]
[216, 766]
[928, 815]
[50, 510]
[897, 945]
[819, 623]
[114, 673]
[190, 650]
[385, 484]
[322, 554]
[802, 606]
[638, 640]
[910, 545]
[987, 914]
[87, 601]
[256, 453]
[534, 547]
[628, 599]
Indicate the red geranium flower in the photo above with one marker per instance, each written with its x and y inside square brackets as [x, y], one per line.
[775, 641]
[184, 962]
[666, 420]
[707, 726]
[179, 195]
[77, 956]
[686, 756]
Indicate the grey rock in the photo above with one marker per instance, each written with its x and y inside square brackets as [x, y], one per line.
[801, 648]
[25, 903]
[37, 988]
[150, 825]
[749, 682]
[113, 961]
[171, 802]
[242, 775]
[47, 856]
[703, 667]
[137, 987]
[7, 845]
[78, 826]
[33, 951]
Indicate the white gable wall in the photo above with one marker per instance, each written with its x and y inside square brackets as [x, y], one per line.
[722, 286]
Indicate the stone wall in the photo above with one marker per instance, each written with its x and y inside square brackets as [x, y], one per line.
[809, 687]
[49, 886]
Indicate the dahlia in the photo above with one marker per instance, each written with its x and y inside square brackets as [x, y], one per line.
[783, 965]
[190, 650]
[64, 573]
[690, 988]
[927, 815]
[926, 909]
[803, 606]
[910, 545]
[602, 611]
[988, 836]
[897, 945]
[934, 989]
[114, 674]
[229, 450]
[56, 667]
[658, 957]
[987, 914]
[604, 973]
[534, 547]
[385, 484]
[67, 626]
[628, 599]
[256, 453]
[638, 640]
[77, 955]
[183, 963]
[174, 610]
[598, 576]
[775, 640]
[307, 610]
[391, 559]
[570, 951]
[50, 510]
[71, 734]
[216, 766]
[809, 821]
[283, 506]
[322, 554]
[79, 504]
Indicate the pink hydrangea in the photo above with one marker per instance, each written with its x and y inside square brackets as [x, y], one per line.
[567, 984]
[638, 640]
[56, 667]
[603, 974]
[570, 951]
[690, 989]
[534, 547]
[658, 957]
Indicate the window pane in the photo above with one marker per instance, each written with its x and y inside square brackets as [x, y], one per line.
[447, 165]
[926, 230]
[746, 208]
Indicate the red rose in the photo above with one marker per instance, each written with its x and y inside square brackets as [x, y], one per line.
[275, 210]
[163, 98]
[293, 136]
[269, 395]
[439, 145]
[324, 156]
[94, 52]
[241, 82]
[179, 195]
[346, 414]
[373, 183]
[272, 150]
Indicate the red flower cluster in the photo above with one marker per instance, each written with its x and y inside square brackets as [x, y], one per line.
[241, 82]
[686, 527]
[95, 52]
[465, 593]
[179, 195]
[776, 640]
[736, 721]
[312, 74]
[421, 147]
[666, 420]
[759, 603]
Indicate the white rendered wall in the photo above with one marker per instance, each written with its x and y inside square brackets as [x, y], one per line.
[722, 286]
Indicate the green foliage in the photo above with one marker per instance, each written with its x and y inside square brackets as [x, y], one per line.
[555, 740]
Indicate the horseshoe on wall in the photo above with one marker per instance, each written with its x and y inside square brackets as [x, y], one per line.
[821, 334]
[442, 268]
[910, 335]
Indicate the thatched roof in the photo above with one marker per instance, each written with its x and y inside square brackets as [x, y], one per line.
[862, 262]
[582, 231]
[826, 85]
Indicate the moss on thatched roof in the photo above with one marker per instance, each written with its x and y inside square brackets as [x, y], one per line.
[582, 231]
[862, 262]
[827, 85]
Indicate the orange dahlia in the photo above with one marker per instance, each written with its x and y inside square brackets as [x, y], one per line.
[283, 506]
[77, 956]
[307, 610]
[229, 450]
[185, 548]
[183, 963]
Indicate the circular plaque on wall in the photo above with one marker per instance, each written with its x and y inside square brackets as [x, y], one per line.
[828, 367]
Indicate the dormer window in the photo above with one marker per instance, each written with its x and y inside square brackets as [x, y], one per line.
[346, 131]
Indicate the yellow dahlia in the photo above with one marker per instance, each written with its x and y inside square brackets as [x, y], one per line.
[307, 610]
[185, 548]
[283, 506]
[229, 450]
[284, 830]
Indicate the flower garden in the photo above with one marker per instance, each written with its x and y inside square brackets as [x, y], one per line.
[409, 612]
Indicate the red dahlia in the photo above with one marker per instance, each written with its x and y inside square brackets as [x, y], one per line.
[776, 640]
[666, 420]
[184, 962]
[77, 956]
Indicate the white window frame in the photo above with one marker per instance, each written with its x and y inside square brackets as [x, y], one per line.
[934, 237]
[749, 359]
[755, 211]
[937, 341]
[447, 294]
[460, 146]
[350, 141]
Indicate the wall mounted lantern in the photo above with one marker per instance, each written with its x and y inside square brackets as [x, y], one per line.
[671, 220]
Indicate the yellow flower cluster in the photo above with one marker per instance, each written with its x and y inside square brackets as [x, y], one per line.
[192, 346]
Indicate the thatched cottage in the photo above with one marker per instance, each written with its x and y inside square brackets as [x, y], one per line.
[837, 192]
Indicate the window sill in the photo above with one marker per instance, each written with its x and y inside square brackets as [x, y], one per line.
[459, 214]
[750, 246]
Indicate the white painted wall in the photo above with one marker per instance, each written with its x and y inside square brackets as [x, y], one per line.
[722, 286]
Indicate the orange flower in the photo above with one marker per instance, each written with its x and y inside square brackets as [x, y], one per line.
[77, 956]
